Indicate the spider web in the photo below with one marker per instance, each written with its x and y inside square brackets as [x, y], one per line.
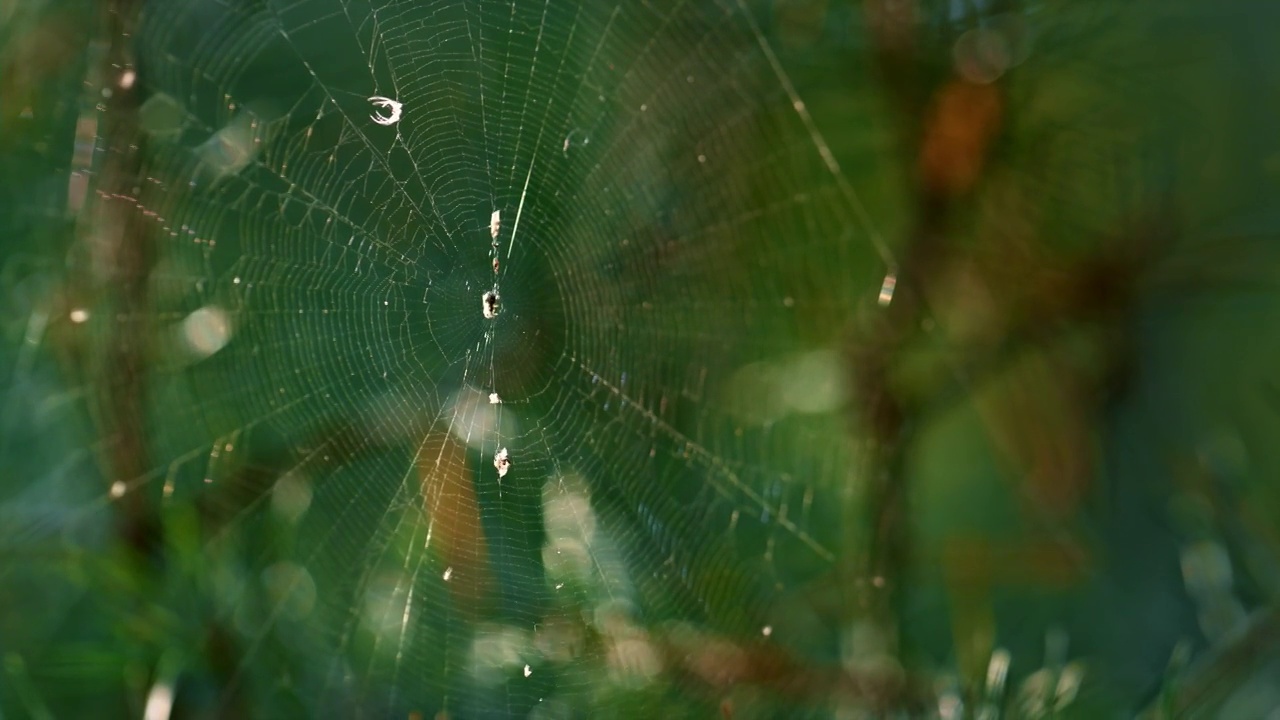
[485, 360]
[672, 251]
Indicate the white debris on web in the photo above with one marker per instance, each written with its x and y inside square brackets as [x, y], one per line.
[886, 289]
[494, 399]
[392, 107]
[490, 304]
[495, 224]
[569, 140]
[448, 573]
[527, 671]
[502, 462]
[767, 630]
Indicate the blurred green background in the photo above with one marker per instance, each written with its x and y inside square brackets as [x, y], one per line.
[902, 358]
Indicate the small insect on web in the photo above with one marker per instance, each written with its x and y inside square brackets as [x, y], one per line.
[495, 227]
[502, 462]
[491, 304]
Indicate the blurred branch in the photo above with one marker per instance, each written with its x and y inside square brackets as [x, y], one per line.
[948, 131]
[123, 257]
